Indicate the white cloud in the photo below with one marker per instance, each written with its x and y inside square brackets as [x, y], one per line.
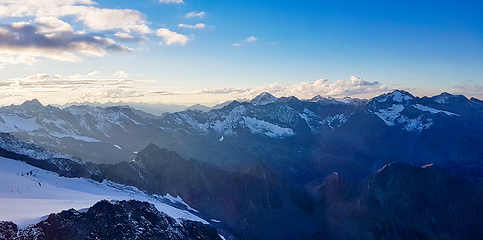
[170, 37]
[90, 87]
[123, 36]
[47, 36]
[6, 58]
[197, 26]
[98, 19]
[237, 44]
[250, 39]
[52, 24]
[305, 90]
[121, 74]
[195, 14]
[171, 1]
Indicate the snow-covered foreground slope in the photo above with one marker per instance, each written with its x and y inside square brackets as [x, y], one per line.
[28, 193]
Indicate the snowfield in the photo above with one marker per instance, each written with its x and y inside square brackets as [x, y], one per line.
[28, 194]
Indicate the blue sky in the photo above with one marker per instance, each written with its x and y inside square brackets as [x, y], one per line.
[237, 49]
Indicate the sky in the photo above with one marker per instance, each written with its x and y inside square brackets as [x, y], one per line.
[186, 51]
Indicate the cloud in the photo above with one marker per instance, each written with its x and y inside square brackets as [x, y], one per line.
[45, 34]
[171, 1]
[227, 90]
[250, 39]
[121, 74]
[24, 42]
[126, 37]
[52, 24]
[98, 19]
[305, 90]
[197, 26]
[469, 88]
[93, 86]
[246, 40]
[195, 14]
[8, 58]
[170, 37]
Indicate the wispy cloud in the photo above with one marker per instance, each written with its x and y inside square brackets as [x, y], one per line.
[305, 90]
[246, 40]
[93, 87]
[170, 37]
[171, 1]
[195, 14]
[250, 39]
[197, 26]
[469, 88]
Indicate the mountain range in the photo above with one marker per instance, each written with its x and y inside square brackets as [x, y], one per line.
[392, 167]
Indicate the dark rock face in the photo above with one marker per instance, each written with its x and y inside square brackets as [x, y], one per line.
[111, 220]
[252, 202]
[406, 202]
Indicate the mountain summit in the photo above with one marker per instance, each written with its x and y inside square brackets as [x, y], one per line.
[263, 99]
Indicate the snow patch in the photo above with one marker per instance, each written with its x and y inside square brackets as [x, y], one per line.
[390, 114]
[417, 124]
[261, 127]
[399, 97]
[221, 139]
[344, 100]
[202, 127]
[339, 118]
[76, 137]
[178, 200]
[226, 126]
[393, 114]
[13, 123]
[28, 193]
[432, 110]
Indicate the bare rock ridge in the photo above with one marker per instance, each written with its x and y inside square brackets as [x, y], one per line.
[110, 220]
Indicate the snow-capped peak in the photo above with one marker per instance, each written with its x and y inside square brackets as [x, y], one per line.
[400, 96]
[263, 99]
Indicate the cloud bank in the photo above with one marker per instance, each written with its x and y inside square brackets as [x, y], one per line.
[96, 87]
[92, 87]
[305, 90]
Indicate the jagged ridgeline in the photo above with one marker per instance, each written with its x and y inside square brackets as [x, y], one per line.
[392, 167]
[110, 220]
[319, 131]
